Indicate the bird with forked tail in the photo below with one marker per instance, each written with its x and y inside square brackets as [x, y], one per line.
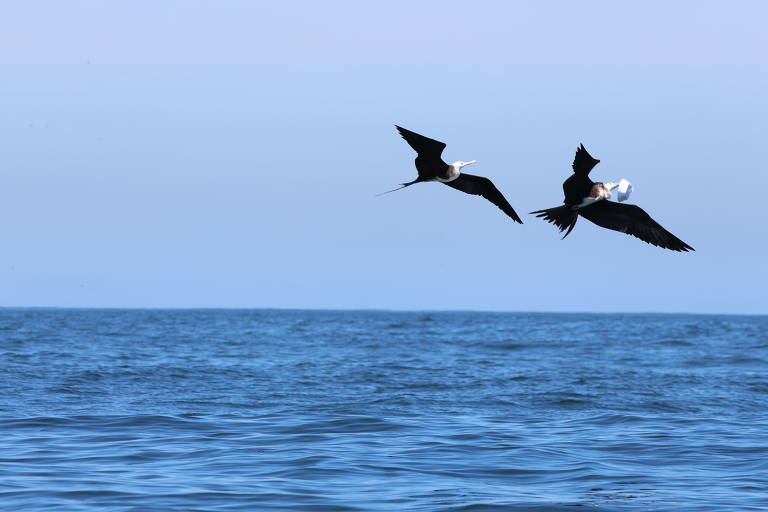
[431, 167]
[591, 200]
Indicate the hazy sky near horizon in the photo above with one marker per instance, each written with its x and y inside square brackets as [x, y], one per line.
[227, 154]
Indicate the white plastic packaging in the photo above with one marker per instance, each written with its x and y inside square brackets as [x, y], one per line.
[625, 190]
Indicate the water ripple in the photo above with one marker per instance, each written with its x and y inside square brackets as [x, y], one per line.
[380, 411]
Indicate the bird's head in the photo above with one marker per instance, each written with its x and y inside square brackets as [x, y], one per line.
[461, 164]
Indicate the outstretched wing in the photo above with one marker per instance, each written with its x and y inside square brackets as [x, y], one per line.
[421, 144]
[632, 220]
[583, 161]
[479, 186]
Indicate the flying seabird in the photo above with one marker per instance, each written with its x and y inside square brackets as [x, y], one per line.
[591, 200]
[431, 167]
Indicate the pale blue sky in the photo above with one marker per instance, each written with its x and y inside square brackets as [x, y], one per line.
[226, 154]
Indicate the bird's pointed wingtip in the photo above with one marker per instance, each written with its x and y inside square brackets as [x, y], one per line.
[514, 216]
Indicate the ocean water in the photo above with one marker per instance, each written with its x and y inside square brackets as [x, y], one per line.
[261, 410]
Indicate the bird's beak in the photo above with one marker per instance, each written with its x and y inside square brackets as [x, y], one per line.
[470, 162]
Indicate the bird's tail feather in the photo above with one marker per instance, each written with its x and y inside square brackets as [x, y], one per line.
[564, 217]
[402, 186]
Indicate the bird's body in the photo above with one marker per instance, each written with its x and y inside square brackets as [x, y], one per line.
[597, 192]
[592, 201]
[576, 188]
[452, 172]
[431, 167]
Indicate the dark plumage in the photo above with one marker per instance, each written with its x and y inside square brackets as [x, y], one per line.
[590, 200]
[431, 167]
[483, 187]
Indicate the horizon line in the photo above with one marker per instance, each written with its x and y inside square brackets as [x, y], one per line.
[381, 310]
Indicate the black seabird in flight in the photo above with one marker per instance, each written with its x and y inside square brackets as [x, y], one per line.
[591, 200]
[431, 167]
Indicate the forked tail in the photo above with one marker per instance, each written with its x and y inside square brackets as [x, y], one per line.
[564, 217]
[402, 186]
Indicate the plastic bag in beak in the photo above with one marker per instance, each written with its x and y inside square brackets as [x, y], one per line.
[625, 190]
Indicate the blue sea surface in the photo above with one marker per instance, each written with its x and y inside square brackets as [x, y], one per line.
[272, 410]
